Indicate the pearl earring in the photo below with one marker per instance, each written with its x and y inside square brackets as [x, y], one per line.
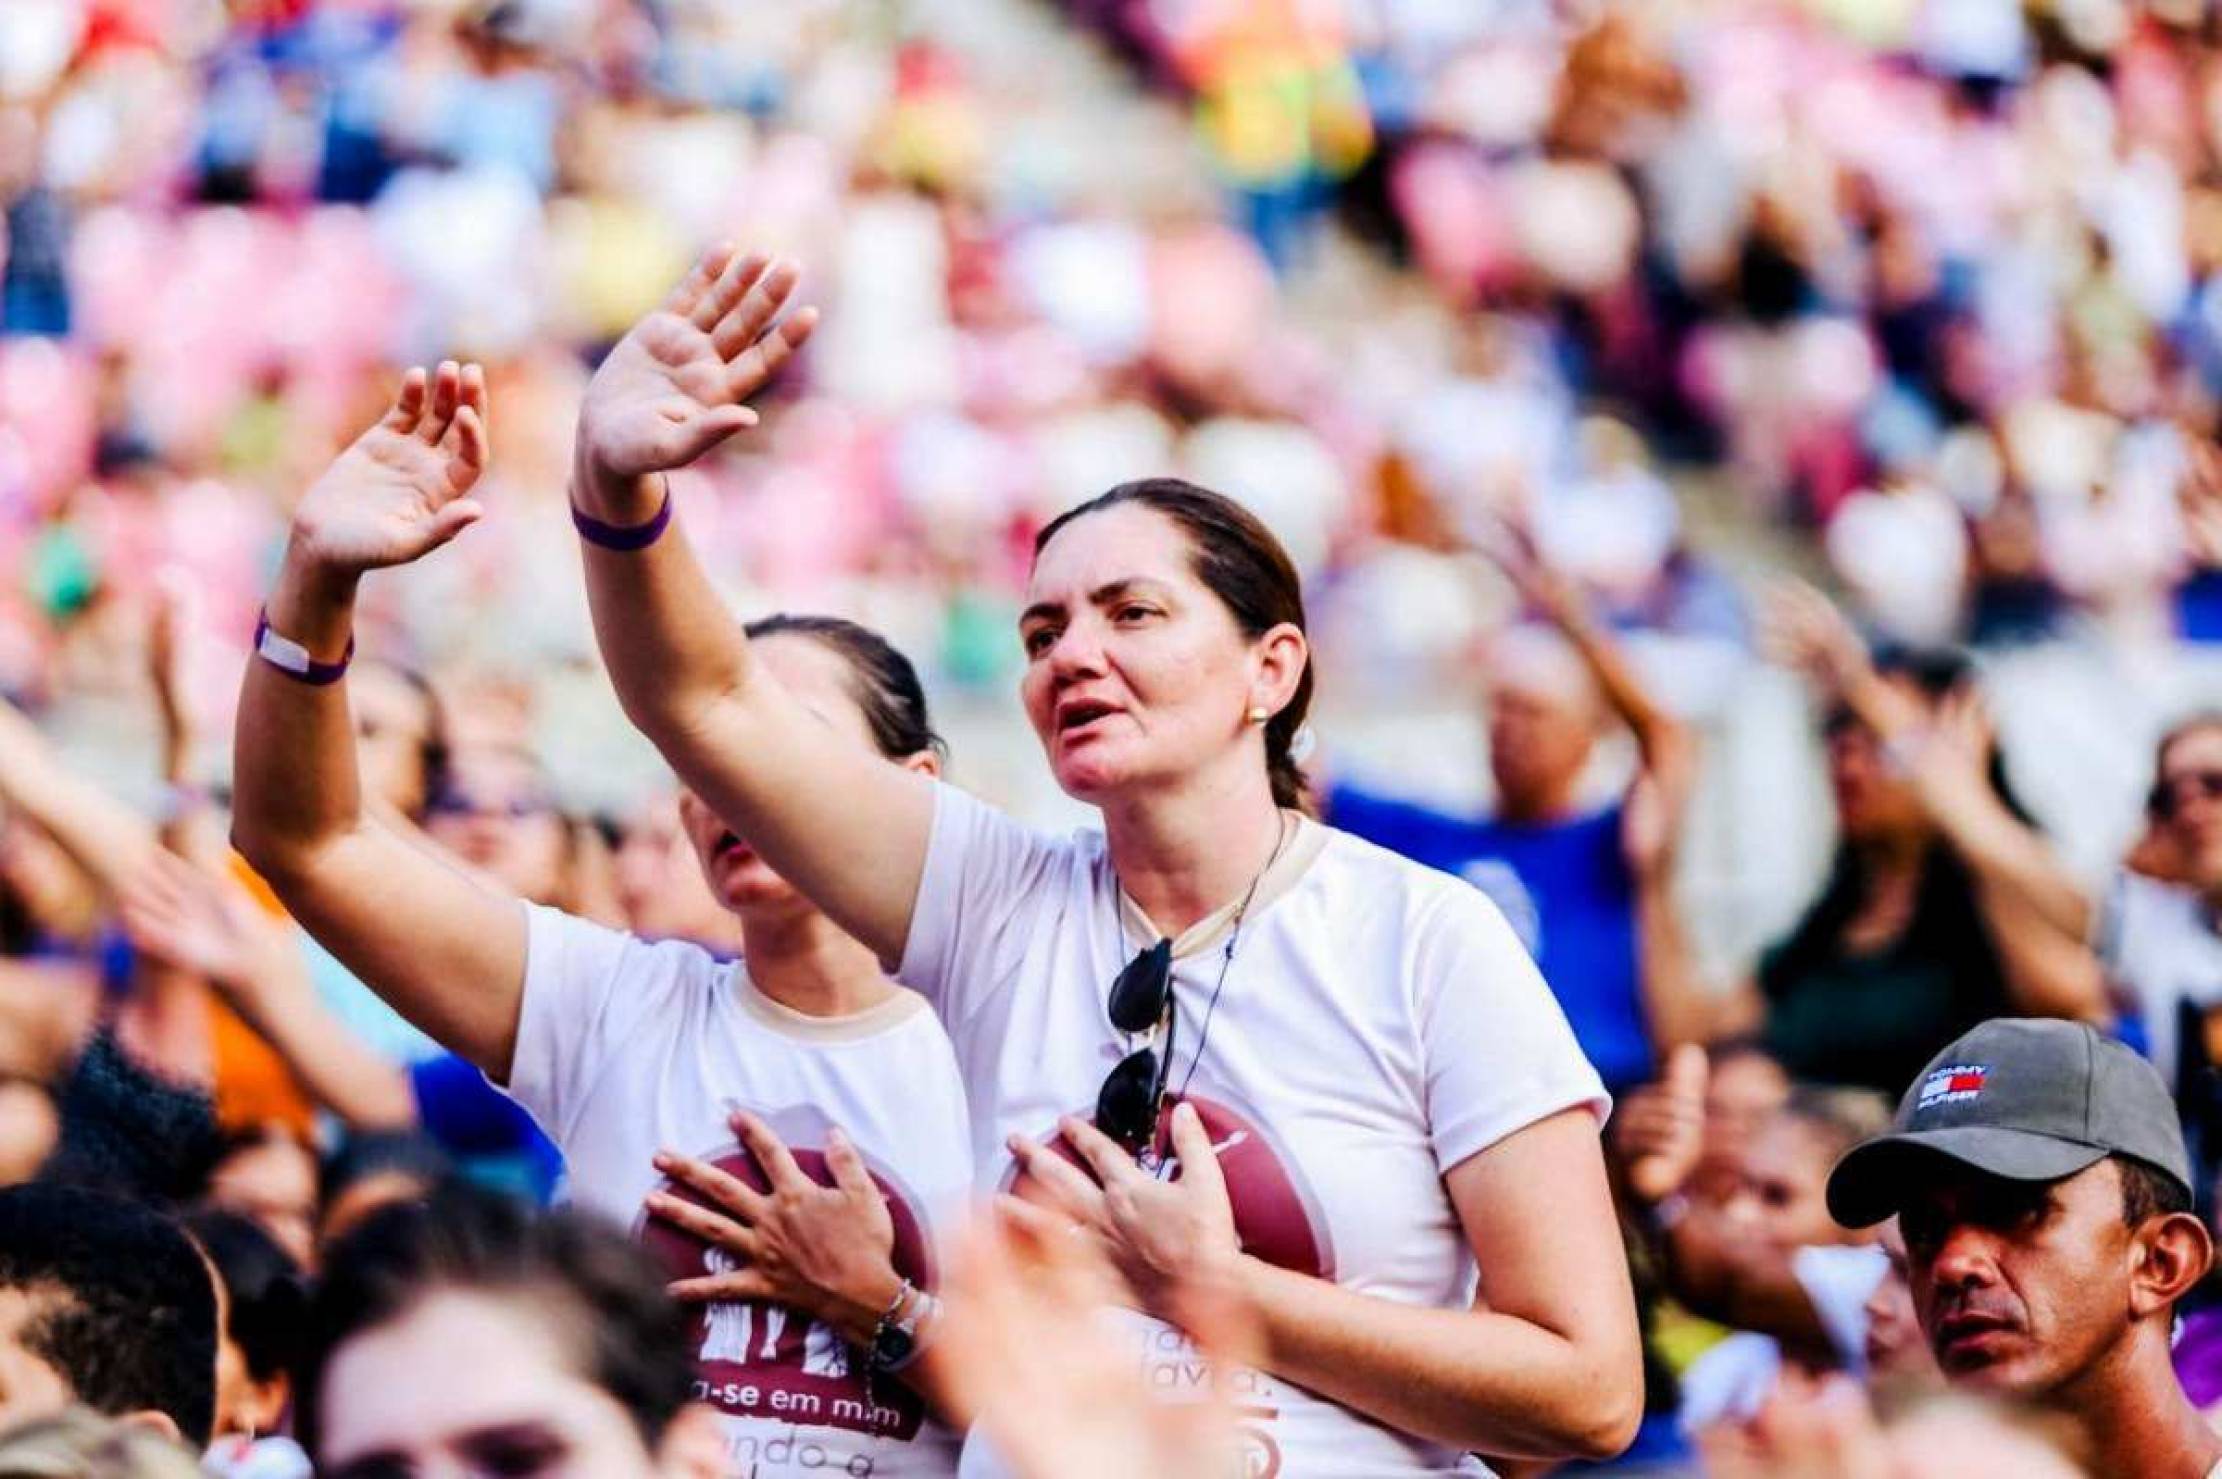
[1259, 714]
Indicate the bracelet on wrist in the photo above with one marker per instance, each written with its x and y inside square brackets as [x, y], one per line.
[292, 659]
[624, 538]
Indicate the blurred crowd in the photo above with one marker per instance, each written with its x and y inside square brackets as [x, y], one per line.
[1571, 351]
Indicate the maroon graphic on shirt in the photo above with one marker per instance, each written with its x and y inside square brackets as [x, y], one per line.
[759, 1359]
[1274, 1215]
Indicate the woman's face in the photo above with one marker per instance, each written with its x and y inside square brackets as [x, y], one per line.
[393, 720]
[1136, 674]
[272, 1183]
[1745, 1092]
[659, 880]
[2190, 780]
[821, 681]
[470, 1384]
[1781, 1200]
[496, 815]
[1874, 799]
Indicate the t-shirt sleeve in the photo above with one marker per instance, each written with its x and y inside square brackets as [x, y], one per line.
[985, 873]
[1498, 1054]
[587, 989]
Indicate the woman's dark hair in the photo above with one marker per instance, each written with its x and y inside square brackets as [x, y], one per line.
[1945, 924]
[885, 685]
[1239, 561]
[267, 1290]
[601, 1298]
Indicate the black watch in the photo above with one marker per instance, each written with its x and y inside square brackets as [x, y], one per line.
[895, 1337]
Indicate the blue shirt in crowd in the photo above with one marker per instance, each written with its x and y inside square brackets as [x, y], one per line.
[1568, 892]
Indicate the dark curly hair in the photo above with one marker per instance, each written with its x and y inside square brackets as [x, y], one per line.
[123, 1306]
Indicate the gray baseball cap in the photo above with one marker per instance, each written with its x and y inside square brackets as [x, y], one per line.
[2020, 1098]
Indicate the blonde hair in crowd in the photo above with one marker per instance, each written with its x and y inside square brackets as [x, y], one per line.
[81, 1444]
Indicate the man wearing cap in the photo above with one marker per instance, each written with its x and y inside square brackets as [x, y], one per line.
[2039, 1178]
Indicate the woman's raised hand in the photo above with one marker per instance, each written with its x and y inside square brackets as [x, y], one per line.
[402, 489]
[672, 388]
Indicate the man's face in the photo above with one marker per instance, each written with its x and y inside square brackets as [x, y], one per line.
[2020, 1287]
[29, 1388]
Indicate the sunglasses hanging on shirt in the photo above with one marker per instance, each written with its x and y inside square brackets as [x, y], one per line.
[1141, 1002]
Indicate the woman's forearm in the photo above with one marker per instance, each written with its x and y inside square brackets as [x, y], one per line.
[1474, 1379]
[105, 837]
[1679, 1006]
[2048, 972]
[2002, 849]
[671, 649]
[295, 783]
[339, 1070]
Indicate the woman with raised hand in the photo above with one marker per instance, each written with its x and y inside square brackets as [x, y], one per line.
[785, 1132]
[1240, 1047]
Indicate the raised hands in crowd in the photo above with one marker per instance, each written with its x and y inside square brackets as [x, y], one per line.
[656, 1066]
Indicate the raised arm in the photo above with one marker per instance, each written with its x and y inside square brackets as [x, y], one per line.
[1664, 745]
[444, 949]
[194, 920]
[848, 830]
[1679, 1006]
[105, 837]
[190, 827]
[1807, 631]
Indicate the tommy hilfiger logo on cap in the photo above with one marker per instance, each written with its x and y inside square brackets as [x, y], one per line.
[1955, 1083]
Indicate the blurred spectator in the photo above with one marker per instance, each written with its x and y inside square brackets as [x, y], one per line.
[1750, 1242]
[1588, 887]
[368, 1173]
[1943, 904]
[84, 1445]
[262, 1302]
[106, 1304]
[468, 1330]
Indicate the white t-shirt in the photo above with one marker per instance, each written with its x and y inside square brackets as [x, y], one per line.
[2162, 949]
[1379, 1024]
[625, 1048]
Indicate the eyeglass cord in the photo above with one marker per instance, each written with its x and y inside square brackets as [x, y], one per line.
[1226, 960]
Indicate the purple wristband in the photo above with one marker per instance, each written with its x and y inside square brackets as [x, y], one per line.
[292, 659]
[623, 538]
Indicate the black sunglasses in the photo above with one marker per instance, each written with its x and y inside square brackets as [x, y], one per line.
[1141, 999]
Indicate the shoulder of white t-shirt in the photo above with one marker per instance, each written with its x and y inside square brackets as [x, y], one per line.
[2147, 903]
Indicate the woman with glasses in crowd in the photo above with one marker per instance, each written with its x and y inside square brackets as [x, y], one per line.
[814, 1100]
[1251, 1053]
[1943, 906]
